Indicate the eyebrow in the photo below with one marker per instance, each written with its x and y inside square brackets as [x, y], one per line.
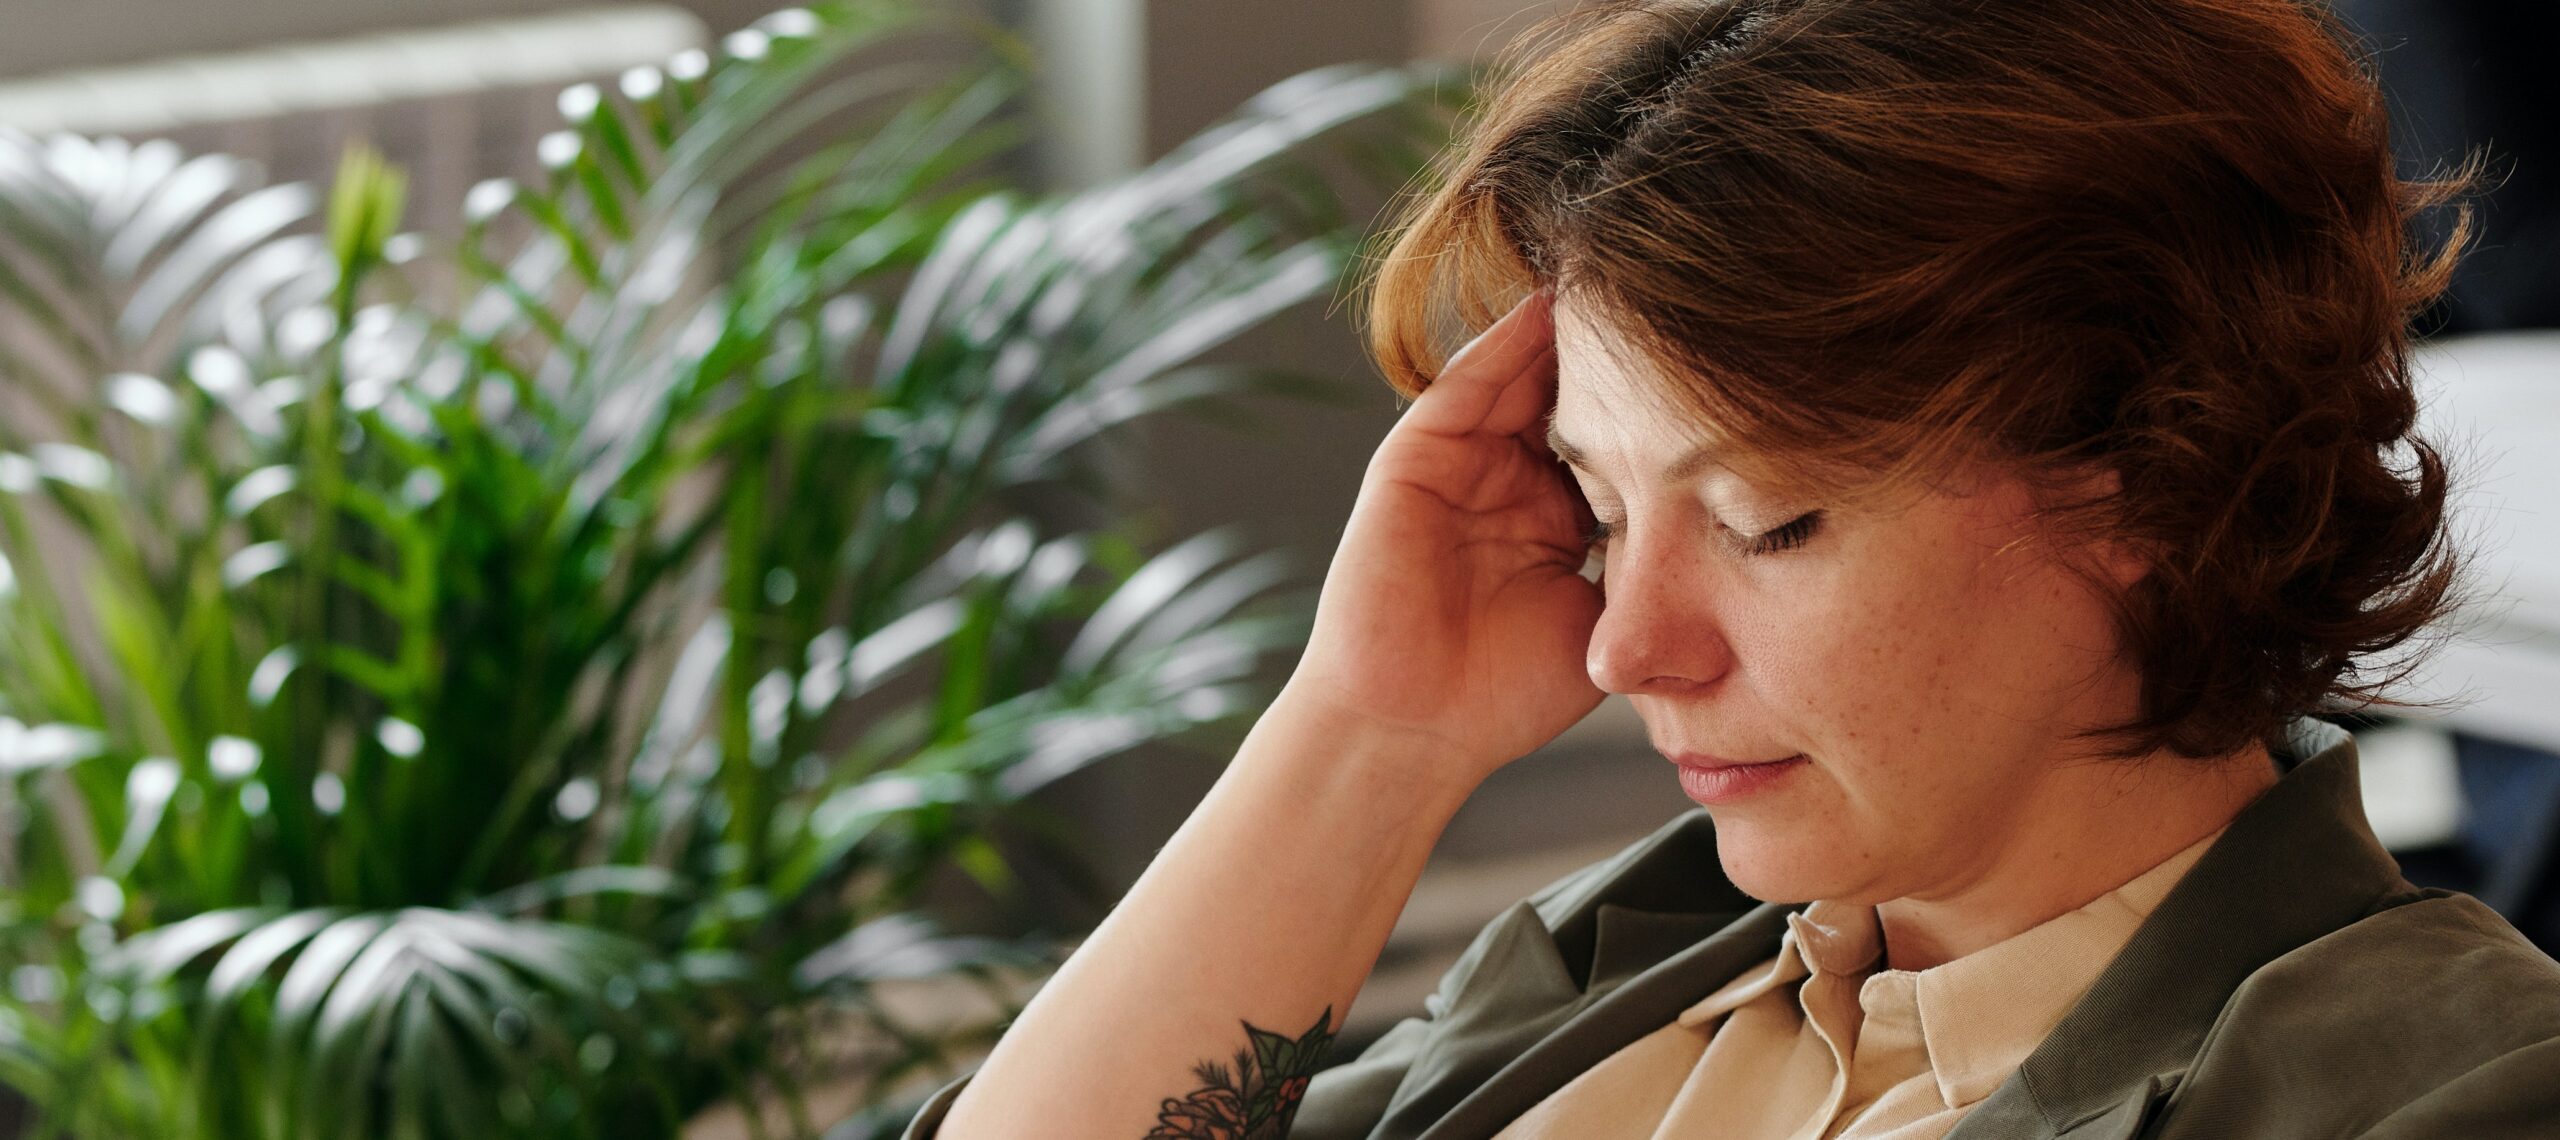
[1685, 468]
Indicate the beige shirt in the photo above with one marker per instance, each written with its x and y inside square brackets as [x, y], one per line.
[1818, 1043]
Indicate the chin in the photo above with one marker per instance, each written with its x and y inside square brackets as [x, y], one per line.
[1782, 869]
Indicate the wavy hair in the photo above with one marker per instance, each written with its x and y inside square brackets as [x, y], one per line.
[1874, 243]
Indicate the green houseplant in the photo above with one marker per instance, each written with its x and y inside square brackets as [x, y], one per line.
[539, 712]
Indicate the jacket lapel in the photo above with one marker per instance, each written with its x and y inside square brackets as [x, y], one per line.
[1546, 963]
[1610, 1019]
[2130, 1115]
[2296, 864]
[1632, 941]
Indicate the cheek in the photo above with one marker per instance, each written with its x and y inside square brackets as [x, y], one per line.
[1875, 639]
[1956, 635]
[1820, 645]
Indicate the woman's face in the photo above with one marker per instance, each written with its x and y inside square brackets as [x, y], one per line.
[1927, 671]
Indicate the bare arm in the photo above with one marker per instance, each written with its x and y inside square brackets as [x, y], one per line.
[1449, 640]
[1267, 908]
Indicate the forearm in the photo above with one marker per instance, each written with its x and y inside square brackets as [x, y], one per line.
[1268, 906]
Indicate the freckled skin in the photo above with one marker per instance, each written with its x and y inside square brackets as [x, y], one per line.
[1931, 678]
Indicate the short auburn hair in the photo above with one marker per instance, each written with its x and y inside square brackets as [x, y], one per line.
[1874, 243]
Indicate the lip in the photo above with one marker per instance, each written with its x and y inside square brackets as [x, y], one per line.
[1716, 780]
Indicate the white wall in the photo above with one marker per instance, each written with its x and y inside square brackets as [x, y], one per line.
[39, 36]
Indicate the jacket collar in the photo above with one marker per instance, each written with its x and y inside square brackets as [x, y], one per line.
[1560, 981]
[2295, 864]
[2298, 863]
[1611, 1019]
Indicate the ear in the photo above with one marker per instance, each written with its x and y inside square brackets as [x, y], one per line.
[2126, 563]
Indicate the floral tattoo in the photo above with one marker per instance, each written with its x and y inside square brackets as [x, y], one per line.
[1258, 1098]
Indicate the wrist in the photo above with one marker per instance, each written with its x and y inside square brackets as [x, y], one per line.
[1325, 746]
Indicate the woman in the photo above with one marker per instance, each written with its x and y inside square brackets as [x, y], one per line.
[1991, 424]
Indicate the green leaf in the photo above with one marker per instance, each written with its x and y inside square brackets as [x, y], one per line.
[678, 544]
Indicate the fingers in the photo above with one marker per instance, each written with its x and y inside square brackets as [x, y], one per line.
[1521, 409]
[1501, 382]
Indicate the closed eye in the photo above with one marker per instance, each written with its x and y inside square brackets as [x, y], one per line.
[1787, 536]
[1792, 534]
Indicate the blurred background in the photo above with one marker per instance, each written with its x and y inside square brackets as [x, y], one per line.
[660, 597]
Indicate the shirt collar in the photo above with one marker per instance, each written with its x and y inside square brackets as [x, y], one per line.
[1982, 1014]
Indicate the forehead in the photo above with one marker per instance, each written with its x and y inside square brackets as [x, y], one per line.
[1589, 347]
[1610, 397]
[1599, 376]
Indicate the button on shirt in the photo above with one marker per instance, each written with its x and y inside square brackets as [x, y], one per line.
[1819, 1043]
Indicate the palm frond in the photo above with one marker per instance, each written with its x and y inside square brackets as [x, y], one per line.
[534, 713]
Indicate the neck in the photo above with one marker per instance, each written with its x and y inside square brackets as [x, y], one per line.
[2100, 826]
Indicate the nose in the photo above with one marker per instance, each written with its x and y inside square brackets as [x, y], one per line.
[1659, 631]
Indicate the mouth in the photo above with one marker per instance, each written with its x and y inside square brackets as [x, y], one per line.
[1716, 780]
[1702, 760]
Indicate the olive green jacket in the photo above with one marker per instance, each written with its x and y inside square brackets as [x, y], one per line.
[2292, 985]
